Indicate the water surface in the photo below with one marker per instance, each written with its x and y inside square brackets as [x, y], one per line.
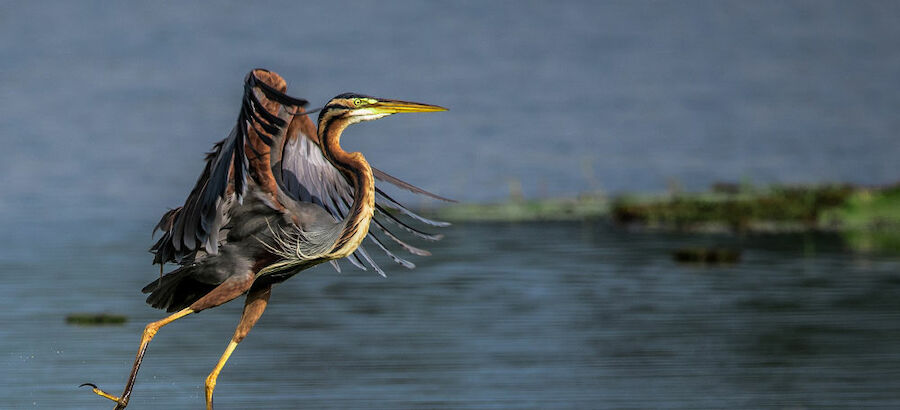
[503, 316]
[107, 108]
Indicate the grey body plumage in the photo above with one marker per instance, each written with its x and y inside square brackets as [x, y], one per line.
[253, 229]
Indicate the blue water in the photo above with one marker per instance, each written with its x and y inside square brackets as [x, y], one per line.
[563, 96]
[503, 316]
[107, 108]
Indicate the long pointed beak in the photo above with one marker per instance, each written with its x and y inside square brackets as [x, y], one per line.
[397, 106]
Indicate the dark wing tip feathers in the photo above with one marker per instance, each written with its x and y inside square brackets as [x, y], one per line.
[189, 227]
[271, 93]
[165, 223]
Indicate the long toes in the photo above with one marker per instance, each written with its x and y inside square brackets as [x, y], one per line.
[102, 393]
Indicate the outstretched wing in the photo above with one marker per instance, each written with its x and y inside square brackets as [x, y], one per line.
[195, 225]
[307, 176]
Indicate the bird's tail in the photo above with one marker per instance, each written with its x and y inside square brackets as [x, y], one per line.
[176, 290]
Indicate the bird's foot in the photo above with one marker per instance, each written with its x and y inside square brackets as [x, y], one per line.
[120, 403]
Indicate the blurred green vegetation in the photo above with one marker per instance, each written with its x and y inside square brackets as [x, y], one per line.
[775, 208]
[869, 217]
[868, 209]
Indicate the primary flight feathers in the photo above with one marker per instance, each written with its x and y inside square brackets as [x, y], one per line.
[273, 130]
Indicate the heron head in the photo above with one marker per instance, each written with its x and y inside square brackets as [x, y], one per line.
[357, 108]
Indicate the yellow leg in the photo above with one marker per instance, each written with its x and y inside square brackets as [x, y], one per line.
[211, 379]
[233, 287]
[146, 337]
[257, 299]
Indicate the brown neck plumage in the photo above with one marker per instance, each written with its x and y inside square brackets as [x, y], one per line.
[358, 172]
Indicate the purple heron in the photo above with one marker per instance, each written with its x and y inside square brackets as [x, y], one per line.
[277, 196]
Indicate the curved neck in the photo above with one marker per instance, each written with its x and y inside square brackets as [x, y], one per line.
[358, 172]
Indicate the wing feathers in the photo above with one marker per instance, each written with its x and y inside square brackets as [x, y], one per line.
[409, 248]
[391, 203]
[305, 176]
[354, 259]
[196, 224]
[361, 251]
[403, 262]
[383, 176]
[414, 231]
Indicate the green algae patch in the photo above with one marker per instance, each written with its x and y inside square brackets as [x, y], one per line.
[95, 319]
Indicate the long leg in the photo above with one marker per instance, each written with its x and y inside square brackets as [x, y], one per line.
[148, 334]
[256, 303]
[228, 290]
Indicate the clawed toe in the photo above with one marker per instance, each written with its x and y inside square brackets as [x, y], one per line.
[101, 393]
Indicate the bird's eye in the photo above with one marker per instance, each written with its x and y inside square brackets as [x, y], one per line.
[357, 101]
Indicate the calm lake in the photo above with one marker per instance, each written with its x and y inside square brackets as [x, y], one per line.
[107, 108]
[503, 316]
